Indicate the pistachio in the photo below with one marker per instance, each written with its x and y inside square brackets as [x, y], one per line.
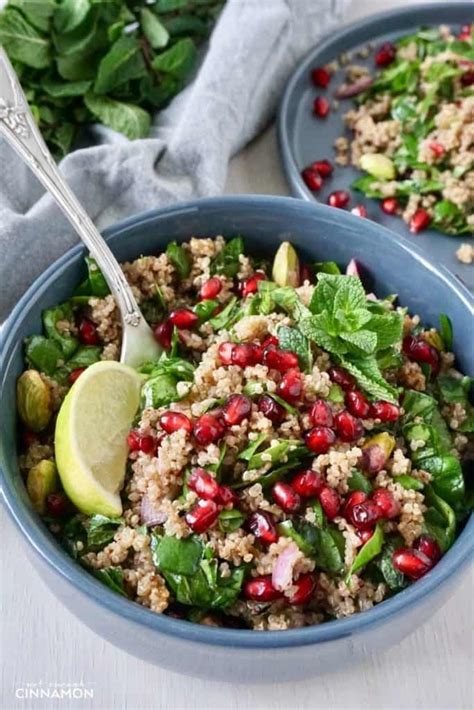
[384, 440]
[434, 339]
[34, 400]
[378, 165]
[286, 266]
[42, 480]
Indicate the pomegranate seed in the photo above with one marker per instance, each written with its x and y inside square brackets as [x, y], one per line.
[385, 411]
[260, 589]
[467, 79]
[262, 525]
[141, 442]
[363, 516]
[419, 350]
[348, 428]
[373, 459]
[237, 408]
[75, 374]
[411, 562]
[364, 535]
[250, 285]
[320, 77]
[28, 438]
[305, 274]
[330, 502]
[290, 386]
[183, 318]
[307, 483]
[321, 106]
[357, 404]
[355, 498]
[88, 332]
[271, 409]
[163, 334]
[419, 221]
[429, 547]
[243, 355]
[390, 205]
[319, 439]
[305, 586]
[312, 179]
[320, 414]
[202, 515]
[465, 33]
[270, 340]
[281, 360]
[339, 198]
[359, 211]
[202, 483]
[436, 148]
[224, 352]
[57, 505]
[227, 496]
[210, 288]
[173, 421]
[342, 378]
[385, 54]
[386, 503]
[323, 167]
[287, 498]
[207, 429]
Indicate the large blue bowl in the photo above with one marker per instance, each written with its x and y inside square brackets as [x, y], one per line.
[392, 266]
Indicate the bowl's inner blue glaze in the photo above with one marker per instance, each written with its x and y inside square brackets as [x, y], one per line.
[319, 233]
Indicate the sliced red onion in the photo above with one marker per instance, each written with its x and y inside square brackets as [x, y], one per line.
[373, 459]
[282, 574]
[150, 515]
[353, 268]
[357, 87]
[371, 297]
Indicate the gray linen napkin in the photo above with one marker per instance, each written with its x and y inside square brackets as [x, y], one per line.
[254, 47]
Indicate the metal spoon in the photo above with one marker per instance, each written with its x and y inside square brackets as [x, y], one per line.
[19, 128]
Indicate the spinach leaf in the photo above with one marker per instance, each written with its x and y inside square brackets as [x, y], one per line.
[449, 218]
[178, 60]
[123, 61]
[51, 317]
[416, 404]
[205, 309]
[439, 519]
[367, 552]
[154, 31]
[178, 556]
[250, 450]
[454, 389]
[227, 262]
[43, 354]
[112, 577]
[394, 579]
[409, 482]
[23, 42]
[159, 391]
[447, 481]
[133, 121]
[101, 531]
[230, 520]
[358, 481]
[95, 283]
[325, 545]
[180, 258]
[293, 339]
[227, 317]
[73, 532]
[206, 589]
[446, 331]
[84, 356]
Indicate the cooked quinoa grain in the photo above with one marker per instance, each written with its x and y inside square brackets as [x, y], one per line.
[293, 487]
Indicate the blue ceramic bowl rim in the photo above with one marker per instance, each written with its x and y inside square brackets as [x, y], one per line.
[290, 167]
[56, 558]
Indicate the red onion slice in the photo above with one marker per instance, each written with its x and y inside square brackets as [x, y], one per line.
[150, 515]
[347, 90]
[282, 574]
[353, 268]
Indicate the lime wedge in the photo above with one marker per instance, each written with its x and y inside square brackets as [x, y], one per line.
[91, 436]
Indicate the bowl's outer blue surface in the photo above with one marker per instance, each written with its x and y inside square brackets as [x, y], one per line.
[304, 138]
[238, 655]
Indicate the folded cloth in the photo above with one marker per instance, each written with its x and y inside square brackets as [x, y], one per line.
[254, 47]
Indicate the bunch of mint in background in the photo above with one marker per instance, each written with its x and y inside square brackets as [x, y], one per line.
[108, 61]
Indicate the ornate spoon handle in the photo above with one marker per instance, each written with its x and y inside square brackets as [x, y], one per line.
[19, 128]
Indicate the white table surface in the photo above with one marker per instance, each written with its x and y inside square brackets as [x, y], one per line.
[42, 642]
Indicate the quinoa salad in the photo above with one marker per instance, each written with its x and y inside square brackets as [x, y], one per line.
[410, 130]
[299, 448]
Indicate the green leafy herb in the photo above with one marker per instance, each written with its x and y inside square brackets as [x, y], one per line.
[293, 339]
[409, 482]
[51, 317]
[95, 284]
[112, 577]
[43, 354]
[229, 314]
[101, 531]
[230, 520]
[446, 331]
[180, 258]
[439, 519]
[179, 556]
[325, 545]
[358, 481]
[205, 309]
[227, 260]
[394, 579]
[326, 267]
[368, 551]
[82, 61]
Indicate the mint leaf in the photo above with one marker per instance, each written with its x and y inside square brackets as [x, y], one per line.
[363, 340]
[123, 61]
[22, 41]
[368, 375]
[130, 120]
[293, 339]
